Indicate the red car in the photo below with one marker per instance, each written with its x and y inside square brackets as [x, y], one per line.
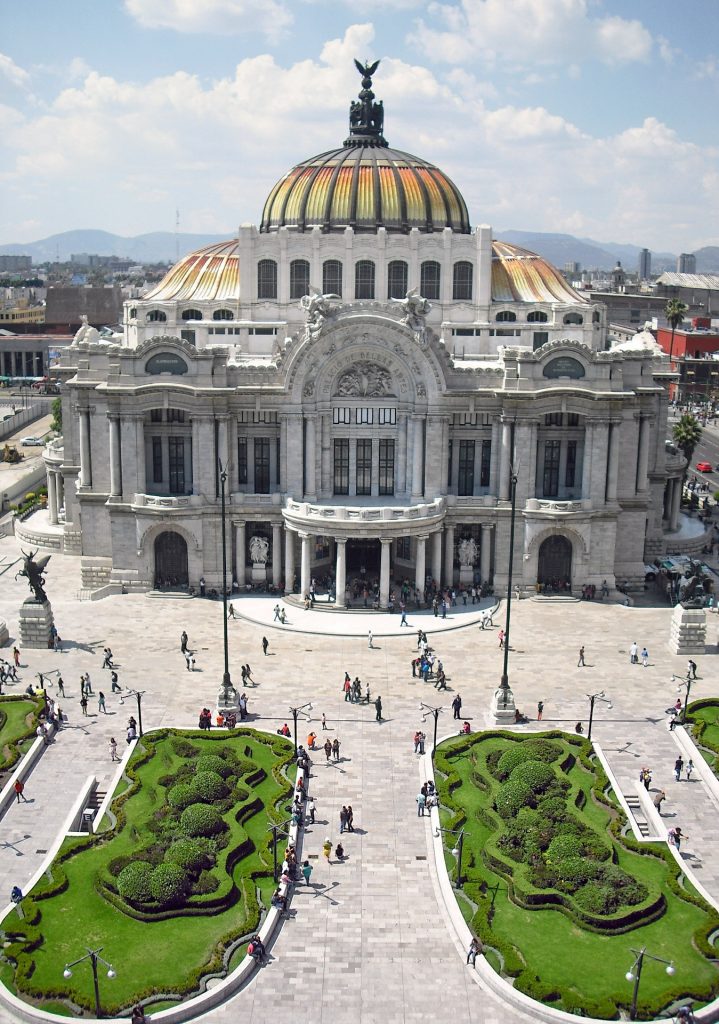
[704, 467]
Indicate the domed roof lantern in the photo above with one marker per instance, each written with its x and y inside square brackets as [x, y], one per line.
[366, 116]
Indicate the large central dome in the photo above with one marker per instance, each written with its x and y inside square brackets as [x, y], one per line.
[365, 185]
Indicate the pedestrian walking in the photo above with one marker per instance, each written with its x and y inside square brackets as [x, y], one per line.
[403, 619]
[328, 748]
[457, 706]
[350, 818]
[343, 819]
[645, 777]
[675, 836]
[324, 720]
[19, 788]
[307, 872]
[658, 800]
[16, 657]
[192, 663]
[265, 645]
[691, 669]
[580, 663]
[311, 807]
[277, 613]
[183, 642]
[678, 765]
[88, 685]
[540, 710]
[633, 653]
[645, 657]
[231, 611]
[336, 749]
[369, 639]
[113, 749]
[327, 849]
[101, 703]
[421, 804]
[187, 660]
[61, 686]
[116, 688]
[690, 768]
[378, 709]
[83, 704]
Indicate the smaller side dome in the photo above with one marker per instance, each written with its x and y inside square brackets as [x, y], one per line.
[519, 275]
[206, 275]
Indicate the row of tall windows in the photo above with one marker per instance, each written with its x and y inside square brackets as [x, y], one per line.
[365, 284]
[466, 461]
[174, 461]
[552, 462]
[261, 464]
[363, 466]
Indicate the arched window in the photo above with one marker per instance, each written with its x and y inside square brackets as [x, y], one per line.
[191, 314]
[266, 279]
[596, 317]
[332, 277]
[156, 316]
[429, 277]
[573, 318]
[506, 317]
[462, 281]
[397, 273]
[132, 313]
[364, 279]
[299, 278]
[223, 314]
[537, 317]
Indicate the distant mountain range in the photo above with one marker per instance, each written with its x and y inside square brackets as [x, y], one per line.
[165, 247]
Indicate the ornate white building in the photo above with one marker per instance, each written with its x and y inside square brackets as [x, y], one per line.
[365, 366]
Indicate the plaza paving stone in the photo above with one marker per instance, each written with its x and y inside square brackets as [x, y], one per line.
[369, 941]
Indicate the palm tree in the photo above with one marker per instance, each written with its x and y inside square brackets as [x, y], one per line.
[687, 434]
[674, 312]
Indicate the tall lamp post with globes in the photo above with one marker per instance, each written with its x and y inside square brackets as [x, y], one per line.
[503, 706]
[457, 851]
[635, 973]
[296, 712]
[228, 691]
[592, 697]
[93, 955]
[435, 712]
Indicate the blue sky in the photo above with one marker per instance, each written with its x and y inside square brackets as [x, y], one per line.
[594, 117]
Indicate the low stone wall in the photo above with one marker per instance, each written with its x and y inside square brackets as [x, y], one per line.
[34, 535]
[95, 572]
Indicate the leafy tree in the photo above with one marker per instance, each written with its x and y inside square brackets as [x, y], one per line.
[687, 434]
[56, 424]
[674, 312]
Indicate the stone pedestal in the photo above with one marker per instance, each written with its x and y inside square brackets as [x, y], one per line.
[503, 707]
[4, 633]
[259, 572]
[466, 575]
[35, 623]
[226, 707]
[688, 632]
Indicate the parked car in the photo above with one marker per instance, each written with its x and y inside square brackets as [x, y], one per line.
[704, 467]
[32, 442]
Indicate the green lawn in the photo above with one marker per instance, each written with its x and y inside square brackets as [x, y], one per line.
[703, 716]
[574, 958]
[18, 721]
[155, 949]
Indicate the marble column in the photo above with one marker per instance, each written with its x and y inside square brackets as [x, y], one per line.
[419, 571]
[449, 554]
[384, 573]
[240, 553]
[289, 560]
[417, 455]
[676, 504]
[341, 572]
[495, 458]
[60, 484]
[196, 457]
[613, 463]
[115, 458]
[587, 461]
[305, 578]
[223, 444]
[310, 457]
[401, 453]
[277, 554]
[140, 454]
[52, 497]
[485, 556]
[643, 456]
[667, 509]
[531, 436]
[505, 457]
[437, 557]
[85, 452]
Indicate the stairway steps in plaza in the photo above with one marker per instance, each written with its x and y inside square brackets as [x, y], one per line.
[555, 599]
[635, 807]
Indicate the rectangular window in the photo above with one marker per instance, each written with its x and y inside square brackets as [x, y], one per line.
[175, 415]
[262, 465]
[332, 277]
[386, 416]
[465, 483]
[155, 415]
[342, 466]
[157, 460]
[402, 548]
[341, 415]
[364, 279]
[486, 461]
[551, 468]
[242, 460]
[572, 419]
[364, 416]
[363, 474]
[553, 419]
[449, 463]
[188, 336]
[386, 466]
[571, 467]
[177, 465]
[539, 338]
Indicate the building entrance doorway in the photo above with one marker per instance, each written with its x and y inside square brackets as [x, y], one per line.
[555, 563]
[171, 560]
[363, 557]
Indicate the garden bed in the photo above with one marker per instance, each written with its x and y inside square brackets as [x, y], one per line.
[555, 890]
[703, 720]
[18, 721]
[182, 876]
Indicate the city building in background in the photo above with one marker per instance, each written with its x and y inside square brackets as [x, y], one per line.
[645, 265]
[686, 263]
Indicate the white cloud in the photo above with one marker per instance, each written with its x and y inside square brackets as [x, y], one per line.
[515, 35]
[268, 17]
[13, 72]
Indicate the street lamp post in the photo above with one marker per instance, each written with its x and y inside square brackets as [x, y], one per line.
[592, 697]
[457, 851]
[429, 710]
[635, 973]
[139, 695]
[504, 681]
[226, 681]
[688, 684]
[275, 829]
[93, 955]
[296, 712]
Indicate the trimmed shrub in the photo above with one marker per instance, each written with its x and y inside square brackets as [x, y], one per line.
[575, 871]
[182, 747]
[201, 820]
[205, 884]
[553, 808]
[564, 846]
[213, 763]
[182, 795]
[542, 750]
[510, 759]
[169, 884]
[512, 796]
[135, 881]
[189, 854]
[209, 786]
[535, 774]
[597, 898]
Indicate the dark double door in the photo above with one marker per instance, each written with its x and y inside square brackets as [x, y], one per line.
[171, 560]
